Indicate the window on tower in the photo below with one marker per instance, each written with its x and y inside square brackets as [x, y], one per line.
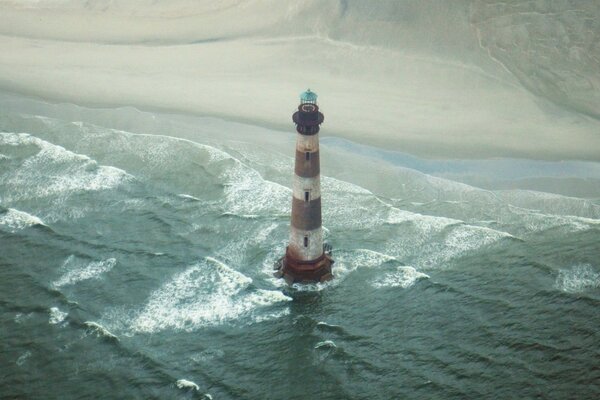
[307, 154]
[306, 196]
[305, 241]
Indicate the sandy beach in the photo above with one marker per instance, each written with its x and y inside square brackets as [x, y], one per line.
[425, 78]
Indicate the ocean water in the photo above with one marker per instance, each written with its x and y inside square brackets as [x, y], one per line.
[136, 264]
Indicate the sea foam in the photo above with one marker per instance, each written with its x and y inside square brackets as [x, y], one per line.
[57, 316]
[403, 277]
[80, 270]
[15, 220]
[247, 193]
[577, 279]
[55, 172]
[205, 294]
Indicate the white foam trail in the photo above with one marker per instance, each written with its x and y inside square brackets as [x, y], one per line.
[577, 279]
[100, 330]
[205, 294]
[403, 277]
[15, 220]
[185, 384]
[207, 355]
[57, 316]
[79, 270]
[346, 262]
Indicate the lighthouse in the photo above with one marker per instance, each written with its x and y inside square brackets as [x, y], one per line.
[305, 259]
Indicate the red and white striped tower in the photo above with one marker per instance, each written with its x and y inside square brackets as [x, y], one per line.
[305, 260]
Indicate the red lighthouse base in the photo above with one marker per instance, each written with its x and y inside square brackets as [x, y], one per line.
[299, 271]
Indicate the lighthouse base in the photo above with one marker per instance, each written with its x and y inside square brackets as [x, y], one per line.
[299, 271]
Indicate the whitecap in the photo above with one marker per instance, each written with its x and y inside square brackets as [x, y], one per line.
[15, 220]
[577, 279]
[185, 384]
[21, 360]
[20, 317]
[326, 344]
[81, 270]
[325, 324]
[402, 277]
[208, 293]
[100, 330]
[57, 316]
[187, 197]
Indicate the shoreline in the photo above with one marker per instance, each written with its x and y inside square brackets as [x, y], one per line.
[565, 177]
[485, 154]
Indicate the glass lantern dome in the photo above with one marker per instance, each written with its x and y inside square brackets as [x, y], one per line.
[308, 97]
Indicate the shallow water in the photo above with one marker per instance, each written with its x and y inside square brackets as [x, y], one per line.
[139, 265]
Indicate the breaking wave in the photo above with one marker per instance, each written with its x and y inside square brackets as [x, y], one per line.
[100, 330]
[15, 220]
[48, 170]
[402, 277]
[205, 294]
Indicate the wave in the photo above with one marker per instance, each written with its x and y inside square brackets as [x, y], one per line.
[577, 279]
[259, 235]
[50, 171]
[326, 344]
[15, 220]
[80, 270]
[535, 221]
[188, 197]
[403, 277]
[248, 193]
[100, 330]
[206, 294]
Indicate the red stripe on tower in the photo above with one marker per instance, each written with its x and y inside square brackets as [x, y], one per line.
[305, 260]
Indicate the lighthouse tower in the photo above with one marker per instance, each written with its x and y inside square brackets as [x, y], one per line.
[305, 260]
